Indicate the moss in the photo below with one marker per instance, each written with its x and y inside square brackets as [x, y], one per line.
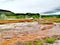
[39, 43]
[50, 40]
[29, 43]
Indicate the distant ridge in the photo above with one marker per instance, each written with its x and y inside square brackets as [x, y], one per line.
[1, 10]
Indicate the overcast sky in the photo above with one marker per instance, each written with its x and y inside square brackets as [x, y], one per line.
[33, 6]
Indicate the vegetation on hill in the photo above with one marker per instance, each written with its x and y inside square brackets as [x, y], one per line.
[5, 14]
[8, 15]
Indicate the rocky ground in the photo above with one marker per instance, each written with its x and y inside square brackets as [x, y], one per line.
[28, 31]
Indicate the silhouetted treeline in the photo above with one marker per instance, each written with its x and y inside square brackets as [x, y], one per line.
[6, 14]
[47, 16]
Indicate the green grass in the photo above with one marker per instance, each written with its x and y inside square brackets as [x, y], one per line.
[50, 40]
[39, 43]
[29, 43]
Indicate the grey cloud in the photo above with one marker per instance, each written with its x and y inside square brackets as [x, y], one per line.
[4, 1]
[52, 11]
[40, 6]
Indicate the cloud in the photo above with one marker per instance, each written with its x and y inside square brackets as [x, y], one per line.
[4, 1]
[52, 11]
[29, 5]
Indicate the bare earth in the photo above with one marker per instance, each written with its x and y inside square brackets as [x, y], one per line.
[11, 33]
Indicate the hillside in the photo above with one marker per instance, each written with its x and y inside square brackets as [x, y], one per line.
[6, 14]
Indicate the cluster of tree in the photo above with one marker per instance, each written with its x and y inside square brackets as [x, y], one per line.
[6, 14]
[50, 16]
[28, 15]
